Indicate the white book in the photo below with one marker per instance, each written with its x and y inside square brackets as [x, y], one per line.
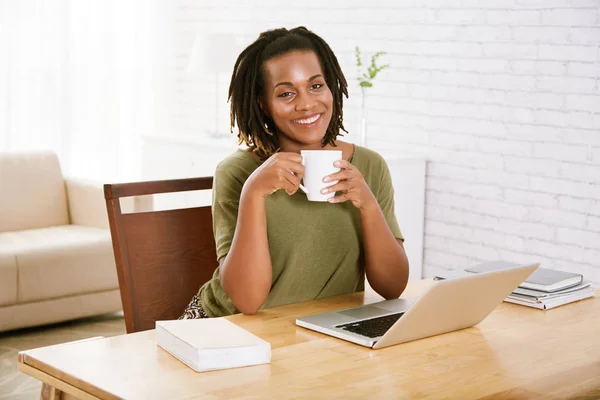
[542, 279]
[536, 294]
[546, 304]
[211, 343]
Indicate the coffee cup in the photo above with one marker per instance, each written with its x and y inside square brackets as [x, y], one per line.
[317, 165]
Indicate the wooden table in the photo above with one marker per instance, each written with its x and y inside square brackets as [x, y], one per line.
[516, 352]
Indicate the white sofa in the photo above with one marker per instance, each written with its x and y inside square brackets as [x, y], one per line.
[56, 256]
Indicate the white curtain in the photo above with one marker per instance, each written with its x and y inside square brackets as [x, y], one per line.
[76, 76]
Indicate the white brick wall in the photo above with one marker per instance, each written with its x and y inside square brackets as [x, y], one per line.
[502, 96]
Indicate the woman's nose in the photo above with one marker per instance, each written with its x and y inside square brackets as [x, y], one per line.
[304, 103]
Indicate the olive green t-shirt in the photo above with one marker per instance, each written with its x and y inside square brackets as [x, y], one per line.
[315, 247]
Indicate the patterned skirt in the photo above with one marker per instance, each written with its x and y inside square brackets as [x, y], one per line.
[194, 310]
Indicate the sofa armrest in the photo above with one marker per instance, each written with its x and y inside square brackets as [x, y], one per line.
[86, 203]
[87, 206]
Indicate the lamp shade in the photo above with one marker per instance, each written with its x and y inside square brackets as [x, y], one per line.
[213, 53]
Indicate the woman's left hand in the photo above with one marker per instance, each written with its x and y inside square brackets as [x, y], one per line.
[351, 185]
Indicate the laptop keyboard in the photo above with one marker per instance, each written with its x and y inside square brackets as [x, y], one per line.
[372, 328]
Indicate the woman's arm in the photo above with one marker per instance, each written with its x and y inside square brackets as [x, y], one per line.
[246, 271]
[386, 264]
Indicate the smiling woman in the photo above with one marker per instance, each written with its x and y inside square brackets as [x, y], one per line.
[275, 246]
[297, 99]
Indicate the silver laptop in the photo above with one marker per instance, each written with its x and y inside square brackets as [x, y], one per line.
[447, 306]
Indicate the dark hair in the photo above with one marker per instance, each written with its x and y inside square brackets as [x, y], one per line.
[256, 129]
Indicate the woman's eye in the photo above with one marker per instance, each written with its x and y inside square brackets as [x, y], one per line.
[316, 86]
[286, 94]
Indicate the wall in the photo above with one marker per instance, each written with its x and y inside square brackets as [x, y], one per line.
[502, 96]
[76, 78]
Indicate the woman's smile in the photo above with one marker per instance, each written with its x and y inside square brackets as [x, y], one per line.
[308, 122]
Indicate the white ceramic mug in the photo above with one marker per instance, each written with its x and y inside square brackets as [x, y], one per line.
[317, 165]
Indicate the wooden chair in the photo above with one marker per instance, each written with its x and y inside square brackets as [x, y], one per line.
[162, 257]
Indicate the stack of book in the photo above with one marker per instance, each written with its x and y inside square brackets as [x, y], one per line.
[546, 300]
[543, 289]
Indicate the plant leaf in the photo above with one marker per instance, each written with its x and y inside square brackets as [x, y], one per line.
[357, 53]
[366, 75]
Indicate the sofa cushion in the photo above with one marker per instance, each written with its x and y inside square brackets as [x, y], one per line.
[33, 191]
[61, 261]
[58, 310]
[8, 278]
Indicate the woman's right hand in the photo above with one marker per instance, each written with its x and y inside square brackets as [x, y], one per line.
[280, 171]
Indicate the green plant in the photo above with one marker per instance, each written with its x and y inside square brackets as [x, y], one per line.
[366, 77]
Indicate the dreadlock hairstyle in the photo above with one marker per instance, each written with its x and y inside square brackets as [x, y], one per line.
[255, 128]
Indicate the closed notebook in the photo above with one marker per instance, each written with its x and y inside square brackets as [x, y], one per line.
[547, 303]
[545, 280]
[538, 294]
[211, 344]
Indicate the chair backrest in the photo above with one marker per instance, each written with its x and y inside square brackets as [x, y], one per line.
[162, 257]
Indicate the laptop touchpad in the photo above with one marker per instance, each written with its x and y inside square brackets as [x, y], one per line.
[364, 312]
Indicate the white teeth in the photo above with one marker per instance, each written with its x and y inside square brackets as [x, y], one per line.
[308, 120]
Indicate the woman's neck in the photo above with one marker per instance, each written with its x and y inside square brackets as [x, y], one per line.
[347, 148]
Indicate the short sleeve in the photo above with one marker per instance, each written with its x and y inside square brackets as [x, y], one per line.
[385, 197]
[226, 194]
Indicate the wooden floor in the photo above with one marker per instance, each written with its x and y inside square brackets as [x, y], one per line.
[17, 386]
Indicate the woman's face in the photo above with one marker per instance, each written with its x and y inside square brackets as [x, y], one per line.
[297, 99]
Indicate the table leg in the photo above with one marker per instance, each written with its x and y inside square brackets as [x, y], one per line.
[50, 393]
